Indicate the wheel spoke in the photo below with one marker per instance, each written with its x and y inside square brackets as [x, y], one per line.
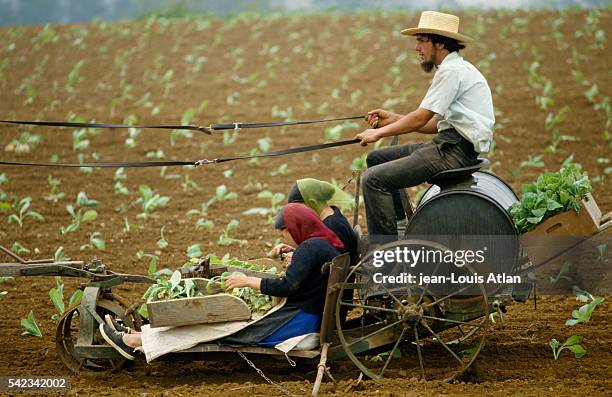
[382, 371]
[427, 285]
[375, 332]
[418, 346]
[442, 342]
[385, 287]
[451, 321]
[447, 296]
[380, 309]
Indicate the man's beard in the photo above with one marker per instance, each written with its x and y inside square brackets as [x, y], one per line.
[427, 66]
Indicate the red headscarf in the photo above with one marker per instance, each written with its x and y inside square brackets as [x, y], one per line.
[303, 223]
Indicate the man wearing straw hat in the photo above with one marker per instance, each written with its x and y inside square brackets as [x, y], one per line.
[457, 108]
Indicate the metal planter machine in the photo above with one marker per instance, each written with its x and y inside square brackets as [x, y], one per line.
[437, 332]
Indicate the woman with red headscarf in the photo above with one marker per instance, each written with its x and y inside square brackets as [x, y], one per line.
[303, 284]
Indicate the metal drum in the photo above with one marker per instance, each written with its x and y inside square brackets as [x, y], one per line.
[470, 215]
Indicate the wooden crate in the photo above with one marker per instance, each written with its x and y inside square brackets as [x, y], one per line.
[561, 232]
[200, 310]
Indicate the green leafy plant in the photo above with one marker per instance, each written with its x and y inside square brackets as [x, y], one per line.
[275, 200]
[59, 256]
[533, 161]
[572, 344]
[26, 143]
[84, 201]
[583, 314]
[162, 243]
[149, 200]
[553, 192]
[226, 239]
[282, 169]
[188, 184]
[194, 251]
[335, 133]
[23, 212]
[29, 323]
[95, 241]
[152, 267]
[171, 288]
[57, 298]
[78, 217]
[4, 280]
[54, 195]
[18, 248]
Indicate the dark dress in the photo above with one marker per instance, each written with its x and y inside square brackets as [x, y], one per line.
[304, 286]
[340, 225]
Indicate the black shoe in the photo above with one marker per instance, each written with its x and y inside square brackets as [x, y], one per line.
[111, 322]
[115, 339]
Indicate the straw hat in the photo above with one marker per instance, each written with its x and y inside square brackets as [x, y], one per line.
[434, 22]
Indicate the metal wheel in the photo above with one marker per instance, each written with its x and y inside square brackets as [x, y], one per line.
[405, 329]
[66, 336]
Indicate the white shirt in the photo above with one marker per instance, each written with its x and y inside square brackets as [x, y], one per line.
[461, 99]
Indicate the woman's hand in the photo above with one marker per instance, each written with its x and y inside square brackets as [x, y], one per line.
[236, 281]
[281, 249]
[379, 118]
[288, 259]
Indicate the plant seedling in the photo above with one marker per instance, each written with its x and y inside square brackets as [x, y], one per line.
[78, 218]
[3, 280]
[18, 248]
[281, 170]
[57, 298]
[194, 251]
[188, 184]
[152, 268]
[84, 201]
[149, 200]
[275, 200]
[23, 213]
[29, 323]
[26, 143]
[95, 241]
[225, 239]
[54, 195]
[162, 243]
[584, 313]
[59, 255]
[572, 344]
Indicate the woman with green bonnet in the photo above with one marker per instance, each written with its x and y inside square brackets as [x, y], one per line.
[327, 201]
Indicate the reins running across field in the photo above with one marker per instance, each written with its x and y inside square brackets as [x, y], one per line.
[208, 130]
[282, 152]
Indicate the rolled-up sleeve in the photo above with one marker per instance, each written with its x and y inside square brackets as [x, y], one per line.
[442, 92]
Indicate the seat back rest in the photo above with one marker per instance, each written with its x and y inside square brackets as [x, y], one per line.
[338, 269]
[457, 174]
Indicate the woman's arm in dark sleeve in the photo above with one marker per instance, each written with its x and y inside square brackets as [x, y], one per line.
[304, 262]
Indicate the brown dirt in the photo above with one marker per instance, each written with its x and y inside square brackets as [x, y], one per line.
[327, 53]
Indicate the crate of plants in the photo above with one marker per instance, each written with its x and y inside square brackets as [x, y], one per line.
[555, 213]
[176, 301]
[262, 268]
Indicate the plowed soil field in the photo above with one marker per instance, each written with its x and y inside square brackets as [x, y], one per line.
[248, 69]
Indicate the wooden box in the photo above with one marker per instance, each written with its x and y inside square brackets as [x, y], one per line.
[558, 234]
[199, 310]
